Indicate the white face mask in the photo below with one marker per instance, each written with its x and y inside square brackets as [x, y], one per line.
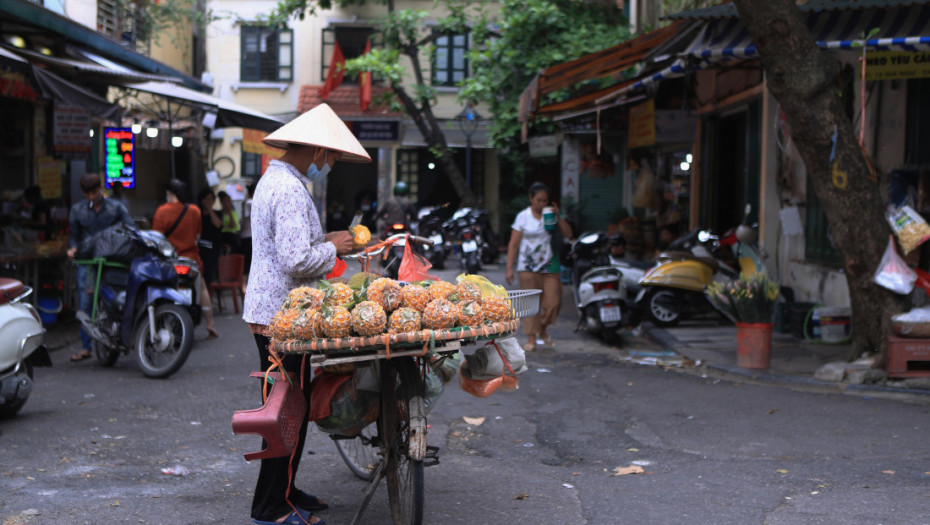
[314, 173]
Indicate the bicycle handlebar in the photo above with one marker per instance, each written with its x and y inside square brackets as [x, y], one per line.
[377, 249]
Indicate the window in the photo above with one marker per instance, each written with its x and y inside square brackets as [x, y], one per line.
[267, 54]
[122, 21]
[449, 64]
[251, 165]
[352, 42]
[408, 170]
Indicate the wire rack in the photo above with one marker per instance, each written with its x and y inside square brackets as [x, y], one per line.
[525, 303]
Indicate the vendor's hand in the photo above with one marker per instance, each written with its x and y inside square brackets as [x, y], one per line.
[509, 276]
[71, 252]
[342, 240]
[555, 208]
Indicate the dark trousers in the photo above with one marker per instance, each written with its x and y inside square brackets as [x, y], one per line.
[276, 475]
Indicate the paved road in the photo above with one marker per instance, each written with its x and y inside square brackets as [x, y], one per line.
[90, 446]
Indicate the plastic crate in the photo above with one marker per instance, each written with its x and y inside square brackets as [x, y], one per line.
[908, 357]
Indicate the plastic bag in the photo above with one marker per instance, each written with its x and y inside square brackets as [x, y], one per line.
[487, 371]
[486, 362]
[487, 287]
[351, 406]
[893, 273]
[413, 267]
[910, 228]
[117, 243]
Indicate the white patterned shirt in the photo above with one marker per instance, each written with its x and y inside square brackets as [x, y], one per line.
[287, 242]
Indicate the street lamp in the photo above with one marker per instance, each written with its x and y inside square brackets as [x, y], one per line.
[468, 122]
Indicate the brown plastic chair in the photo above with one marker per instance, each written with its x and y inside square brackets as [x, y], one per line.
[229, 277]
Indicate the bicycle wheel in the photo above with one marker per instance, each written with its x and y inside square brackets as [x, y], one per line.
[401, 390]
[359, 452]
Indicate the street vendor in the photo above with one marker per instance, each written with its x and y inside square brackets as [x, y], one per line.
[289, 249]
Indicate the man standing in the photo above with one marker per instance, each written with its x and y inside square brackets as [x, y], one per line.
[88, 217]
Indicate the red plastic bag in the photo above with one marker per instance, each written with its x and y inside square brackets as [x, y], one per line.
[413, 267]
[338, 269]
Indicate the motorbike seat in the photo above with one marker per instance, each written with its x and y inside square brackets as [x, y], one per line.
[10, 289]
[686, 256]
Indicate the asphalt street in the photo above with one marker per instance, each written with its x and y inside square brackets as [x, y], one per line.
[91, 445]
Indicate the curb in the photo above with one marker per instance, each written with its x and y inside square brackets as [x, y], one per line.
[670, 342]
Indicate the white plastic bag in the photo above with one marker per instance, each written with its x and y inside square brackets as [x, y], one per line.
[911, 229]
[893, 273]
[486, 363]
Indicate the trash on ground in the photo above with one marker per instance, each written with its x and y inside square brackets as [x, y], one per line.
[474, 421]
[632, 469]
[568, 485]
[543, 370]
[176, 470]
[522, 495]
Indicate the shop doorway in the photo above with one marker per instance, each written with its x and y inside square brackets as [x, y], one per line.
[732, 169]
[349, 187]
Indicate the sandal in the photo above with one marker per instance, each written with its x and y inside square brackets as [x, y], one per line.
[309, 501]
[82, 355]
[303, 518]
[212, 334]
[546, 340]
[530, 345]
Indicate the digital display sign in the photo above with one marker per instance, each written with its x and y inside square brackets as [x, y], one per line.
[119, 157]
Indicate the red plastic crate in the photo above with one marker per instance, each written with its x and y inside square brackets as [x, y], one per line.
[908, 357]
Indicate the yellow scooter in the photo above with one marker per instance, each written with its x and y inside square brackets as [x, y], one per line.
[674, 288]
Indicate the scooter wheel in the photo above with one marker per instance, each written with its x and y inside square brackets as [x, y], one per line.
[106, 356]
[661, 309]
[173, 339]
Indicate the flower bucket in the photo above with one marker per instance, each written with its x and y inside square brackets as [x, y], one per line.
[753, 345]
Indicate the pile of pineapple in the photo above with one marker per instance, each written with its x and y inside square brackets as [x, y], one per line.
[371, 305]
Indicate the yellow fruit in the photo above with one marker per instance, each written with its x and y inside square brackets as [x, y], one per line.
[442, 290]
[469, 313]
[305, 297]
[368, 318]
[414, 296]
[282, 323]
[404, 319]
[337, 294]
[439, 314]
[337, 322]
[359, 280]
[469, 291]
[496, 309]
[385, 292]
[308, 325]
[361, 235]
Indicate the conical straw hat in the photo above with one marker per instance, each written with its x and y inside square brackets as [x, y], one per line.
[320, 127]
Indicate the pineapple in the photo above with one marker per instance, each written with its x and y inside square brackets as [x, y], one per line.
[442, 290]
[439, 314]
[305, 297]
[368, 318]
[361, 280]
[496, 309]
[308, 325]
[414, 296]
[361, 236]
[469, 313]
[282, 324]
[404, 319]
[337, 294]
[469, 291]
[337, 322]
[385, 292]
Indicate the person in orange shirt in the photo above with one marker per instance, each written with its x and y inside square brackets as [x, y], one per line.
[181, 224]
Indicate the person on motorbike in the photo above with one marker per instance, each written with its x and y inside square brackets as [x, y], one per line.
[181, 224]
[88, 217]
[398, 209]
[289, 249]
[538, 265]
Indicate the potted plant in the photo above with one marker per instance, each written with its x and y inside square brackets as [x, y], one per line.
[749, 302]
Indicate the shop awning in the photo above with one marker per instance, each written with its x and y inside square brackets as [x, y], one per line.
[111, 72]
[228, 114]
[593, 66]
[726, 39]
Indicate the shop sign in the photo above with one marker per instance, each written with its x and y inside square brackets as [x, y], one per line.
[374, 130]
[119, 146]
[252, 143]
[13, 83]
[544, 146]
[642, 125]
[890, 65]
[50, 170]
[675, 126]
[72, 124]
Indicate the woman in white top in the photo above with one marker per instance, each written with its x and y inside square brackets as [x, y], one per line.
[538, 263]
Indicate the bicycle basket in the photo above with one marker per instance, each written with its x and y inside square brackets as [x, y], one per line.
[525, 303]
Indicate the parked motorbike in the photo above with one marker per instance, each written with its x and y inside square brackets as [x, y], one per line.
[390, 266]
[22, 346]
[674, 288]
[429, 225]
[597, 287]
[463, 232]
[138, 307]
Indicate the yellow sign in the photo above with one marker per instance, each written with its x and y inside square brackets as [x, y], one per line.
[889, 65]
[252, 143]
[50, 170]
[643, 125]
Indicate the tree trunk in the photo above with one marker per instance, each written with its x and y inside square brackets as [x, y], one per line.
[802, 79]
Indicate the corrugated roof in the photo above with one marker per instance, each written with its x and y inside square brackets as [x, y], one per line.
[728, 10]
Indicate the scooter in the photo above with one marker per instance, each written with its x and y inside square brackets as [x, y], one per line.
[674, 288]
[597, 287]
[22, 346]
[470, 245]
[392, 258]
[429, 225]
[138, 308]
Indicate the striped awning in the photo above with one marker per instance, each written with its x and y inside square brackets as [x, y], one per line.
[722, 40]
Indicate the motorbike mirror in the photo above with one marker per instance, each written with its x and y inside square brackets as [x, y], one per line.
[589, 239]
[704, 236]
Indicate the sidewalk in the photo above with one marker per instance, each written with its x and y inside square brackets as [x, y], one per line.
[711, 344]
